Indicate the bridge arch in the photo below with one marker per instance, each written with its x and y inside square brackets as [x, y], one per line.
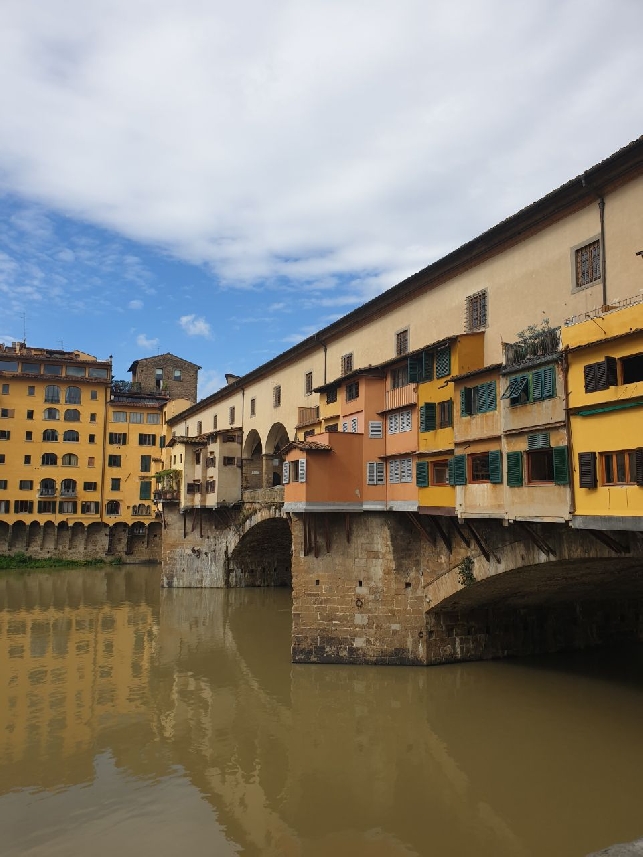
[262, 555]
[277, 439]
[252, 461]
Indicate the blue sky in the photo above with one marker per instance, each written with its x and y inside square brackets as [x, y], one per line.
[221, 180]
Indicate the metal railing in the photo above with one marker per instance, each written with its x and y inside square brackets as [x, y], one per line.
[543, 343]
[401, 396]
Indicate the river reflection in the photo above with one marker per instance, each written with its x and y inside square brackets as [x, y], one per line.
[136, 721]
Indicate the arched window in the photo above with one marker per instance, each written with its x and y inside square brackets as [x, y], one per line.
[69, 460]
[72, 396]
[52, 393]
[68, 487]
[47, 487]
[50, 435]
[71, 436]
[72, 415]
[49, 459]
[113, 507]
[51, 414]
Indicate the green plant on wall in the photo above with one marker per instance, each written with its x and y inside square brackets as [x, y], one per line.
[465, 572]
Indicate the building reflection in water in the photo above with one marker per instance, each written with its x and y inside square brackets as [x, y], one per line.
[138, 718]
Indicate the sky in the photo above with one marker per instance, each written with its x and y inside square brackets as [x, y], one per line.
[220, 180]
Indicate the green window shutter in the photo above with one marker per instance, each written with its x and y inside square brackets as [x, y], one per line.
[514, 469]
[459, 469]
[481, 398]
[450, 472]
[443, 362]
[561, 466]
[492, 403]
[416, 372]
[495, 466]
[145, 491]
[537, 384]
[430, 416]
[587, 470]
[466, 395]
[422, 474]
[540, 440]
[549, 382]
[427, 357]
[162, 441]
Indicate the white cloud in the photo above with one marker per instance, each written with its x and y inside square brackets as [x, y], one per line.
[194, 326]
[135, 304]
[210, 380]
[148, 344]
[296, 153]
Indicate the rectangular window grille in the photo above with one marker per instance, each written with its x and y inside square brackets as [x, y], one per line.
[253, 407]
[354, 425]
[406, 423]
[276, 396]
[231, 415]
[588, 264]
[394, 472]
[476, 311]
[443, 362]
[399, 377]
[331, 395]
[308, 383]
[375, 429]
[375, 473]
[445, 413]
[406, 470]
[352, 391]
[346, 364]
[402, 342]
[393, 421]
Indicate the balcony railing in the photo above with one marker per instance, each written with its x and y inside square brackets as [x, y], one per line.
[166, 495]
[401, 396]
[307, 416]
[47, 492]
[543, 343]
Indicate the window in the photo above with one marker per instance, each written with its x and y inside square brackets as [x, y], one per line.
[443, 362]
[231, 416]
[298, 470]
[354, 425]
[482, 467]
[92, 438]
[162, 441]
[3, 484]
[352, 391]
[439, 474]
[98, 372]
[632, 368]
[400, 470]
[210, 486]
[89, 507]
[5, 389]
[345, 425]
[399, 377]
[5, 413]
[531, 387]
[136, 417]
[67, 507]
[52, 394]
[92, 418]
[601, 375]
[587, 264]
[197, 456]
[69, 460]
[93, 395]
[401, 342]
[2, 458]
[346, 364]
[72, 396]
[375, 429]
[158, 377]
[476, 311]
[479, 467]
[75, 371]
[5, 434]
[229, 460]
[28, 435]
[68, 487]
[50, 435]
[478, 400]
[71, 436]
[308, 384]
[146, 463]
[177, 375]
[199, 428]
[113, 507]
[72, 415]
[445, 413]
[145, 490]
[117, 438]
[540, 465]
[27, 459]
[26, 484]
[400, 421]
[23, 506]
[214, 422]
[31, 369]
[91, 461]
[428, 417]
[375, 474]
[276, 396]
[331, 395]
[147, 440]
[90, 486]
[49, 459]
[30, 415]
[46, 507]
[115, 484]
[52, 370]
[253, 407]
[332, 427]
[119, 416]
[113, 461]
[51, 414]
[622, 468]
[5, 506]
[153, 419]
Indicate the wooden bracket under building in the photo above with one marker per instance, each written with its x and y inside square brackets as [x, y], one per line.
[537, 539]
[609, 541]
[417, 523]
[456, 526]
[485, 550]
[442, 532]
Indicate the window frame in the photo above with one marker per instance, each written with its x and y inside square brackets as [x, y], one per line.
[477, 311]
[402, 339]
[574, 259]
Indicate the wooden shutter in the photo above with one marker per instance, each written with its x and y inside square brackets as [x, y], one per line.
[286, 473]
[589, 375]
[145, 491]
[537, 385]
[549, 382]
[491, 396]
[459, 469]
[611, 371]
[380, 473]
[422, 474]
[428, 419]
[450, 472]
[639, 466]
[495, 466]
[302, 469]
[514, 469]
[466, 401]
[371, 473]
[561, 465]
[443, 362]
[416, 368]
[587, 469]
[540, 440]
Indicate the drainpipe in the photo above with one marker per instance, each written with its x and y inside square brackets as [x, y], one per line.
[601, 215]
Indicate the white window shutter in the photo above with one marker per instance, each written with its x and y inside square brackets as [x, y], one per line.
[286, 473]
[379, 473]
[375, 429]
[344, 426]
[302, 469]
[371, 472]
[354, 425]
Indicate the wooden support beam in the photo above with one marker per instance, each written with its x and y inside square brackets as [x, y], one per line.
[304, 522]
[537, 539]
[609, 541]
[315, 545]
[442, 532]
[456, 526]
[327, 533]
[348, 528]
[485, 550]
[418, 526]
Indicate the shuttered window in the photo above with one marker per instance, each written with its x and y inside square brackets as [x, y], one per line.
[587, 469]
[495, 466]
[514, 469]
[443, 362]
[478, 400]
[393, 423]
[531, 387]
[422, 474]
[561, 465]
[285, 475]
[354, 425]
[375, 474]
[540, 440]
[405, 421]
[145, 490]
[400, 470]
[601, 375]
[420, 367]
[445, 410]
[428, 417]
[375, 429]
[457, 470]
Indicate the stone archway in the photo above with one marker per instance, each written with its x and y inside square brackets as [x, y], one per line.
[273, 464]
[252, 461]
[263, 555]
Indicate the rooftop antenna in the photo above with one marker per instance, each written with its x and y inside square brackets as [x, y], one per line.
[24, 327]
[62, 344]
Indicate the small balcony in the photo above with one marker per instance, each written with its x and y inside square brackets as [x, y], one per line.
[48, 492]
[166, 496]
[400, 396]
[540, 343]
[307, 416]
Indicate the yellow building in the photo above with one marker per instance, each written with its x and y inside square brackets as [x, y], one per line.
[604, 351]
[52, 413]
